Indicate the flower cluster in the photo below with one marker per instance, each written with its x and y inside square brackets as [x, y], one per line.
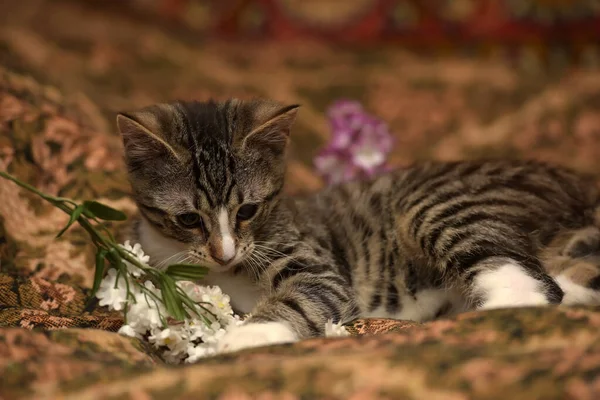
[148, 319]
[359, 145]
[335, 329]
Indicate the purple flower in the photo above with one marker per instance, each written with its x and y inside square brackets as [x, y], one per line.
[344, 110]
[371, 147]
[332, 164]
[359, 145]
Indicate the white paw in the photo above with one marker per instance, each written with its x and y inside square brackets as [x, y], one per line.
[509, 286]
[577, 294]
[255, 335]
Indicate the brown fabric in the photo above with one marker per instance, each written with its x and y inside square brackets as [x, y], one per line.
[61, 80]
[38, 303]
[527, 354]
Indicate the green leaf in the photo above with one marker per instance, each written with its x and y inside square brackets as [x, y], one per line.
[184, 277]
[74, 215]
[171, 298]
[186, 272]
[102, 211]
[99, 273]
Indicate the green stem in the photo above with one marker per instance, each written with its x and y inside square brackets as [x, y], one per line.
[59, 203]
[100, 240]
[85, 224]
[27, 186]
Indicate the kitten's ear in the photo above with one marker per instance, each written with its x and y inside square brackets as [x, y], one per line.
[274, 132]
[143, 136]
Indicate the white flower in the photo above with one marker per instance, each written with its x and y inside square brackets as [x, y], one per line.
[215, 337]
[112, 293]
[212, 298]
[146, 312]
[195, 328]
[170, 337]
[196, 352]
[147, 317]
[191, 289]
[219, 301]
[173, 341]
[136, 251]
[127, 330]
[335, 330]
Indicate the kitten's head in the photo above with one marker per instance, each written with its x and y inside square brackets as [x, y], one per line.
[205, 176]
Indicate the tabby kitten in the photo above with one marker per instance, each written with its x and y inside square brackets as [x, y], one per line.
[424, 241]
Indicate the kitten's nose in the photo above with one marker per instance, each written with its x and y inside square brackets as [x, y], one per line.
[218, 259]
[220, 256]
[222, 246]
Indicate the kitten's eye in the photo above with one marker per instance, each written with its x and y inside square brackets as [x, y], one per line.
[246, 212]
[189, 220]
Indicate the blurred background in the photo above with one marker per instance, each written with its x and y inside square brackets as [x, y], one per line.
[452, 79]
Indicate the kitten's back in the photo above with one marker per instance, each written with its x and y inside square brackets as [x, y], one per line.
[390, 230]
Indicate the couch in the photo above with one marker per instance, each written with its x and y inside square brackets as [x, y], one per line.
[63, 78]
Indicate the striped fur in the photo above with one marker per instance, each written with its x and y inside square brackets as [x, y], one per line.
[421, 242]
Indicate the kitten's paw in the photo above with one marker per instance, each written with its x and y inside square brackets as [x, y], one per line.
[510, 286]
[255, 335]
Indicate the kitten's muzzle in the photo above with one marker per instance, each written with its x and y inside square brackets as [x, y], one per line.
[219, 256]
[219, 260]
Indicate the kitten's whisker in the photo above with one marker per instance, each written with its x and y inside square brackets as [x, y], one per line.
[167, 260]
[279, 254]
[260, 255]
[187, 259]
[254, 267]
[266, 260]
[270, 250]
[261, 259]
[180, 253]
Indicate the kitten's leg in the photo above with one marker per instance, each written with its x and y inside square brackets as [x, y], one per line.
[494, 264]
[575, 270]
[305, 295]
[580, 280]
[576, 266]
[504, 283]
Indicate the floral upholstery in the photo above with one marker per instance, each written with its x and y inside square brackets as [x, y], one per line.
[63, 78]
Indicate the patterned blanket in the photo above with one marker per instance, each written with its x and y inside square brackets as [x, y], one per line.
[61, 80]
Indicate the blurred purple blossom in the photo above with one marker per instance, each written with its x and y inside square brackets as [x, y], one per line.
[359, 146]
